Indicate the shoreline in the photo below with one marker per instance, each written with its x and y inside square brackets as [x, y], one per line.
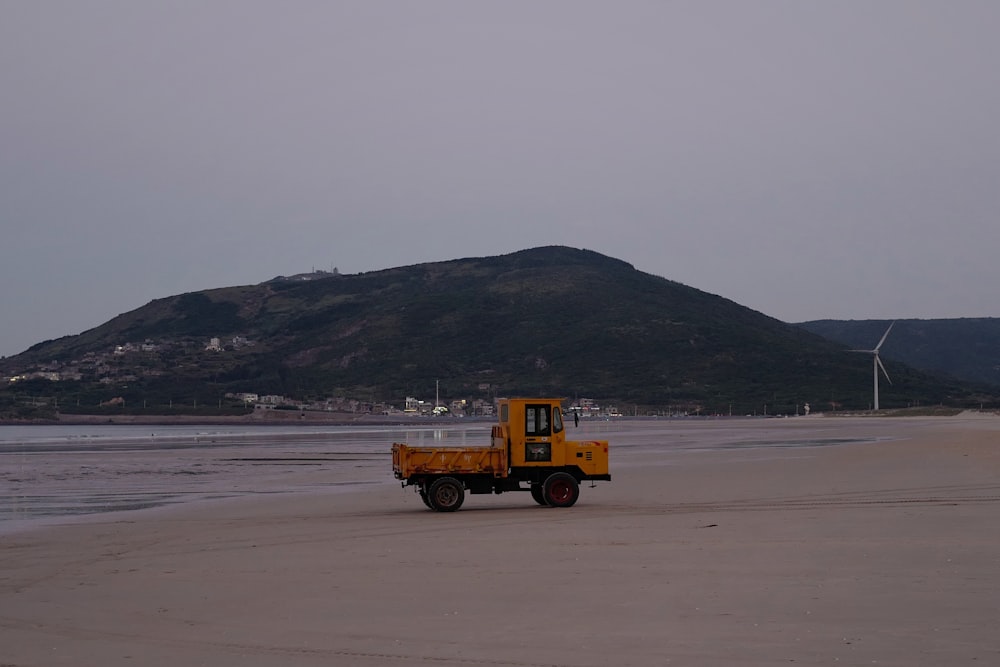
[289, 417]
[282, 418]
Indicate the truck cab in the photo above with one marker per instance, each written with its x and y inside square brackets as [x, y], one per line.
[534, 433]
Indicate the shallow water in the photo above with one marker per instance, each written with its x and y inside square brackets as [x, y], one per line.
[62, 471]
[59, 471]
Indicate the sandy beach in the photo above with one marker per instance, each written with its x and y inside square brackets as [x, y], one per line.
[812, 541]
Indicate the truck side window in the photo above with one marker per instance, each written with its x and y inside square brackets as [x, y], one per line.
[557, 423]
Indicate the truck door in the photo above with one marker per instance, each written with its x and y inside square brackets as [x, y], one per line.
[537, 432]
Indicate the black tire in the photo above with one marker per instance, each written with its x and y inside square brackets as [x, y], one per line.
[423, 497]
[537, 494]
[560, 490]
[446, 494]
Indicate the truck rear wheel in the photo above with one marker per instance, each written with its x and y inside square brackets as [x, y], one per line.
[538, 494]
[446, 494]
[560, 490]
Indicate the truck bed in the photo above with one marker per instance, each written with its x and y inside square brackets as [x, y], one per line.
[410, 461]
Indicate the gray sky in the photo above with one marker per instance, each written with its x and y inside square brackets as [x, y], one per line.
[806, 159]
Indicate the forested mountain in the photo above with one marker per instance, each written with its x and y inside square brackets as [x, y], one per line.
[553, 320]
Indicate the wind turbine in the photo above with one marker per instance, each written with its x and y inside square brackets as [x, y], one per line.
[877, 363]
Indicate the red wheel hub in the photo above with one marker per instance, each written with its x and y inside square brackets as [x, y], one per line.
[560, 491]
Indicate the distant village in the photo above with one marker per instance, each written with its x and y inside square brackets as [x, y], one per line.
[412, 406]
[107, 368]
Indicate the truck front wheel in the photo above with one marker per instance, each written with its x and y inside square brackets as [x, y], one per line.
[560, 490]
[446, 494]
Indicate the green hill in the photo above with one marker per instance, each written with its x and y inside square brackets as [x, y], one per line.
[552, 320]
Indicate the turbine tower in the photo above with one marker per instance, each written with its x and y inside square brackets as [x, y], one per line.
[877, 362]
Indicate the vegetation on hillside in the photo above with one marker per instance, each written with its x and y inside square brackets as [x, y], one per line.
[554, 320]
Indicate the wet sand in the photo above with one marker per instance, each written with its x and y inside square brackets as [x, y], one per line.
[813, 541]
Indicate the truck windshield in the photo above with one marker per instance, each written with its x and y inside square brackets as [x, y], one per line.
[557, 424]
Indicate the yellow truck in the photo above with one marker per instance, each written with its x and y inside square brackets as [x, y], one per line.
[528, 452]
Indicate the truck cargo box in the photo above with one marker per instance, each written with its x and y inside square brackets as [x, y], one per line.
[409, 461]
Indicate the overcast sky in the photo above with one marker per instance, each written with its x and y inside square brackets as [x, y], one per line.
[806, 159]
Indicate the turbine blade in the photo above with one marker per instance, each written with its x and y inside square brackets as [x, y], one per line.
[884, 336]
[884, 372]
